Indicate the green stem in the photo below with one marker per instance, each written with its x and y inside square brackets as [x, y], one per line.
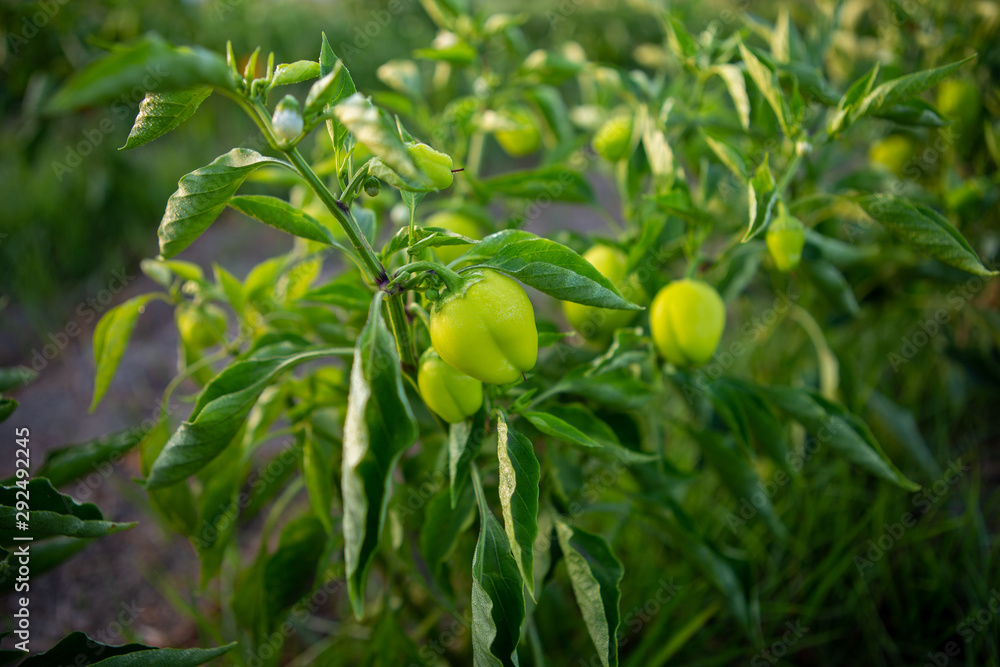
[401, 330]
[451, 279]
[346, 221]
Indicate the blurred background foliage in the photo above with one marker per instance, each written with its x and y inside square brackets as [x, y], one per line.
[61, 232]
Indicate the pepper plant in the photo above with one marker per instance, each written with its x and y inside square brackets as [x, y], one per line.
[458, 452]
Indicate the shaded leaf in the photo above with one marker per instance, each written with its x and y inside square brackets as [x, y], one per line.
[518, 489]
[111, 337]
[51, 513]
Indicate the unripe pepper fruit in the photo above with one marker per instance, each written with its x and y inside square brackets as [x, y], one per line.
[201, 327]
[487, 329]
[450, 393]
[686, 319]
[785, 239]
[613, 139]
[598, 324]
[433, 164]
[523, 140]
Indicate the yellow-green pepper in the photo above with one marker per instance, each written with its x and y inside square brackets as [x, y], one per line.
[433, 164]
[448, 392]
[686, 319]
[523, 137]
[785, 239]
[614, 138]
[487, 329]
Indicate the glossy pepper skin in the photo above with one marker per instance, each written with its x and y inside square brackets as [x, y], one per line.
[433, 164]
[487, 330]
[201, 327]
[598, 324]
[458, 223]
[687, 318]
[785, 239]
[613, 139]
[452, 394]
[523, 140]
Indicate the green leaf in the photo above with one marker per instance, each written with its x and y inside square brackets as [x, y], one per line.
[376, 131]
[556, 270]
[842, 431]
[519, 479]
[736, 84]
[13, 377]
[222, 408]
[465, 439]
[51, 513]
[841, 119]
[497, 593]
[443, 526]
[283, 216]
[767, 82]
[560, 428]
[903, 88]
[595, 574]
[78, 648]
[287, 74]
[424, 237]
[729, 155]
[681, 41]
[929, 232]
[202, 194]
[390, 644]
[379, 425]
[7, 407]
[739, 476]
[551, 183]
[318, 472]
[174, 504]
[148, 64]
[46, 555]
[832, 284]
[333, 87]
[493, 243]
[343, 294]
[761, 197]
[110, 340]
[65, 464]
[160, 113]
[289, 572]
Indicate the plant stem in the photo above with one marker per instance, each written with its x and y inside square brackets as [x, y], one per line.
[450, 278]
[343, 216]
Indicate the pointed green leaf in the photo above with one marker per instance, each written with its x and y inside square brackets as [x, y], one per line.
[556, 270]
[925, 229]
[465, 439]
[551, 183]
[110, 340]
[65, 464]
[442, 528]
[767, 83]
[202, 194]
[842, 431]
[7, 407]
[595, 574]
[222, 408]
[761, 198]
[159, 113]
[903, 88]
[148, 64]
[519, 479]
[283, 216]
[50, 513]
[287, 74]
[379, 425]
[736, 84]
[78, 648]
[497, 594]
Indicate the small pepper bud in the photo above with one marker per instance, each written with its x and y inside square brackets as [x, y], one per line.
[287, 119]
[372, 186]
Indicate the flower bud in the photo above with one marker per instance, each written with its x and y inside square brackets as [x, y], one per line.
[287, 119]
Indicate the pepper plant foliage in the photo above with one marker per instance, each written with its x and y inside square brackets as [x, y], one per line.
[322, 344]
